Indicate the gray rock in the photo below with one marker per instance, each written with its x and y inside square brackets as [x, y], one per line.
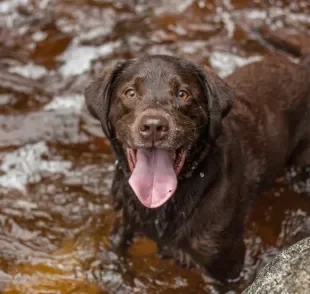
[287, 273]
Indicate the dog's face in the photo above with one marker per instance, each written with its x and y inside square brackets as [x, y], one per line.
[158, 108]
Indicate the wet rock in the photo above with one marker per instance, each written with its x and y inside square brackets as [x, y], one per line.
[288, 273]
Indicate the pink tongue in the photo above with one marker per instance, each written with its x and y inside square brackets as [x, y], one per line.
[153, 179]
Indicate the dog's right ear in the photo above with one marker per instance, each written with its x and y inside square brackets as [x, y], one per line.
[98, 94]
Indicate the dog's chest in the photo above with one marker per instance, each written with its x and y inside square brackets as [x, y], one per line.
[163, 224]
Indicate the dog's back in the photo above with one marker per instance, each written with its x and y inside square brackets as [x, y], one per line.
[275, 125]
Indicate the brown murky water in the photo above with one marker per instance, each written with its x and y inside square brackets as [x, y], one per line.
[56, 166]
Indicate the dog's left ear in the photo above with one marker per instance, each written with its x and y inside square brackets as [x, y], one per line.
[219, 99]
[98, 94]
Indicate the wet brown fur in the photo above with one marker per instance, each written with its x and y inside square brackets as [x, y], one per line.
[245, 131]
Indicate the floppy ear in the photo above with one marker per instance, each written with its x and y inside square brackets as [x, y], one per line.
[219, 99]
[98, 95]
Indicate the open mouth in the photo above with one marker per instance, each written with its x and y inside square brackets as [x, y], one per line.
[154, 173]
[178, 157]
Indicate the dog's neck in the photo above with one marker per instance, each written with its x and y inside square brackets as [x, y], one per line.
[120, 157]
[200, 154]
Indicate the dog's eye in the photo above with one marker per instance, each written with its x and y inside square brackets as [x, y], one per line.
[130, 93]
[182, 94]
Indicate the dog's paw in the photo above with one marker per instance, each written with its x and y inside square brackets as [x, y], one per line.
[184, 260]
[164, 252]
[179, 257]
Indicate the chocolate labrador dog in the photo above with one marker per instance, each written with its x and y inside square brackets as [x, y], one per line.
[193, 151]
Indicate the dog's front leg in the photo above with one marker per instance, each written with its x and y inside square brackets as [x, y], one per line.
[221, 254]
[122, 234]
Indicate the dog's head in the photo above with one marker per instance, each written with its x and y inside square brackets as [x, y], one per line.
[158, 108]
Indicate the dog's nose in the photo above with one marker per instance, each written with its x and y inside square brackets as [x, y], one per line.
[153, 127]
